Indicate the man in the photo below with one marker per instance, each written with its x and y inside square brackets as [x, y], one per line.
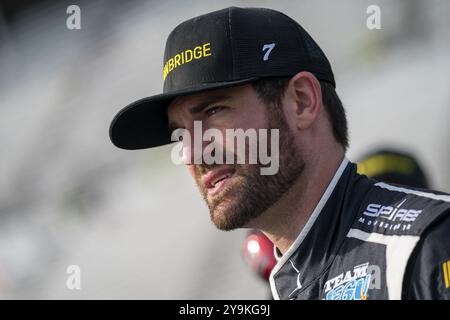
[337, 234]
[386, 165]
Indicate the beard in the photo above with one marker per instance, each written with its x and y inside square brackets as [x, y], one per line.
[250, 194]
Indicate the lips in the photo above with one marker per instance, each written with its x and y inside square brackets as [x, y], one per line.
[215, 180]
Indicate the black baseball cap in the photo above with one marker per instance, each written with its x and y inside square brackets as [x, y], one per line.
[224, 48]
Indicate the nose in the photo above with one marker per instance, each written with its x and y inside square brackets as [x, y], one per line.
[192, 149]
[187, 157]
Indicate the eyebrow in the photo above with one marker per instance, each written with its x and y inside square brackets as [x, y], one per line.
[200, 107]
[203, 105]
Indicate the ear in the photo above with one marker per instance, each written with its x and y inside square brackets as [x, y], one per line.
[305, 97]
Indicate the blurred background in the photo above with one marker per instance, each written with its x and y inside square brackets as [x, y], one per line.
[133, 221]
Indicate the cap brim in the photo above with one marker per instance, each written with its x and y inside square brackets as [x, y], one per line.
[144, 123]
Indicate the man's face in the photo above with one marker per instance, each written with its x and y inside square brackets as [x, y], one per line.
[236, 193]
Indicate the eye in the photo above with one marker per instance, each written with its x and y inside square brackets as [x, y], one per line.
[213, 110]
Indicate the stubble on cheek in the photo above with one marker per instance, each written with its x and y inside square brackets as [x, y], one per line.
[225, 207]
[237, 204]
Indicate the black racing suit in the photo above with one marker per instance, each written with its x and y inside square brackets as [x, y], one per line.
[369, 240]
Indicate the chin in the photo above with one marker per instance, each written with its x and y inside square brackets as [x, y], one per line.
[225, 217]
[220, 217]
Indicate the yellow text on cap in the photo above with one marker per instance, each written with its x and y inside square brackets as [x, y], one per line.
[186, 56]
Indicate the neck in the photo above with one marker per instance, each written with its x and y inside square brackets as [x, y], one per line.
[284, 221]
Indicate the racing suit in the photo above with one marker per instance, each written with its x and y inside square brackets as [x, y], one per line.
[369, 240]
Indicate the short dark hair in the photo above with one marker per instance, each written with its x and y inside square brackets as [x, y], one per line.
[271, 92]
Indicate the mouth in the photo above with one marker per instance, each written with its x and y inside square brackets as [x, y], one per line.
[216, 180]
